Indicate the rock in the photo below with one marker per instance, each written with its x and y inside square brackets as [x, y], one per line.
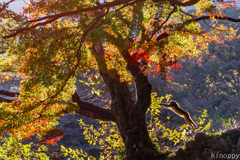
[238, 144]
[206, 155]
[214, 148]
[218, 144]
[181, 154]
[194, 155]
[236, 154]
[201, 138]
[232, 134]
[193, 146]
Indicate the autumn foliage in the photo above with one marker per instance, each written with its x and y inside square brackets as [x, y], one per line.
[50, 43]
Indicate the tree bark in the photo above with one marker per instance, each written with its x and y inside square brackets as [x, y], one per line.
[130, 120]
[130, 116]
[138, 144]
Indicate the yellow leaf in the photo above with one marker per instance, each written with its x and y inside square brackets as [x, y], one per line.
[90, 79]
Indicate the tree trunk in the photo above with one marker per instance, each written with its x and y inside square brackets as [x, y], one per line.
[137, 142]
[127, 114]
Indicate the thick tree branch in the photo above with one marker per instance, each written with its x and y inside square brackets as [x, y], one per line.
[143, 87]
[121, 97]
[85, 108]
[111, 77]
[90, 110]
[109, 80]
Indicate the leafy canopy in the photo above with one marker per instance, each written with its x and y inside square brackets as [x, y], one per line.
[51, 42]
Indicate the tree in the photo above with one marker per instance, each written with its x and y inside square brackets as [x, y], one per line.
[52, 42]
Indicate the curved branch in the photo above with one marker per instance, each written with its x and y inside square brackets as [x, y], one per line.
[57, 16]
[211, 26]
[90, 110]
[175, 8]
[164, 35]
[95, 8]
[221, 18]
[28, 28]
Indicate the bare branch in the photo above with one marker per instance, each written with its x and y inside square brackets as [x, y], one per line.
[217, 17]
[204, 21]
[5, 5]
[95, 8]
[175, 8]
[164, 35]
[186, 13]
[90, 110]
[29, 28]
